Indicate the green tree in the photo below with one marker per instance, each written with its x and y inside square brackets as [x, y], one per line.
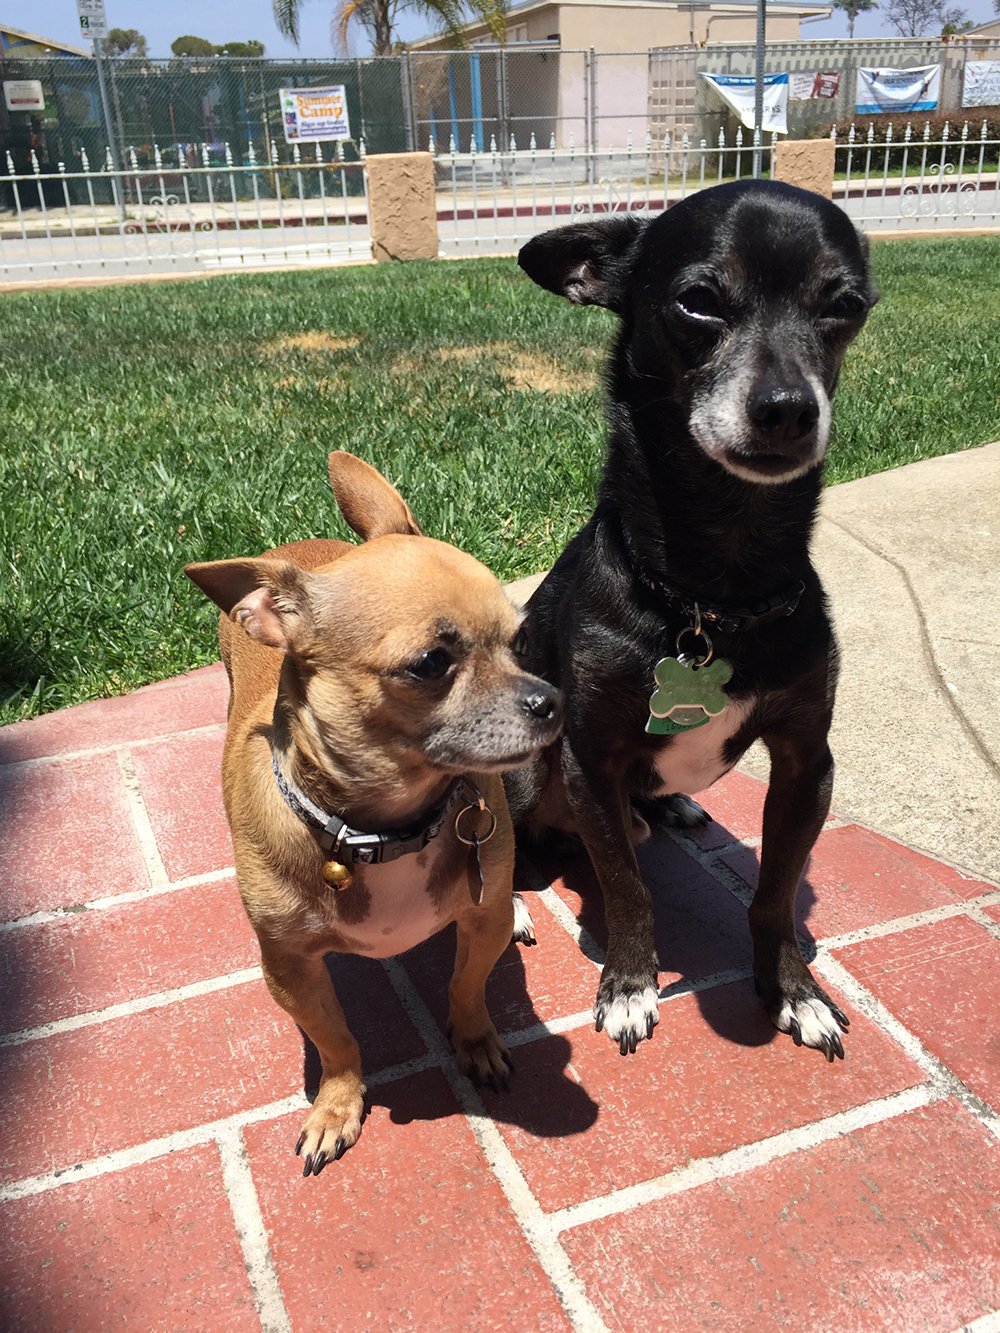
[125, 42]
[378, 18]
[201, 46]
[252, 49]
[852, 8]
[193, 46]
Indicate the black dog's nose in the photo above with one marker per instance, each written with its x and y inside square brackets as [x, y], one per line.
[542, 701]
[784, 412]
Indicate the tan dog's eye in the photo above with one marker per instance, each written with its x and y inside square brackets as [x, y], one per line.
[432, 665]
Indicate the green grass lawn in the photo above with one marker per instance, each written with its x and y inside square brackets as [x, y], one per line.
[151, 425]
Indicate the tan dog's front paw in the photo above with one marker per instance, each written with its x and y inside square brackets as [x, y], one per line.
[484, 1059]
[334, 1123]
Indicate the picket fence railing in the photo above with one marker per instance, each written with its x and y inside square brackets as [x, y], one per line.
[191, 208]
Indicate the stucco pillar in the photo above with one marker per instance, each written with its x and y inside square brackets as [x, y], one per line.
[807, 163]
[401, 206]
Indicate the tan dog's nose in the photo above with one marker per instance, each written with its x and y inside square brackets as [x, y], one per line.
[543, 702]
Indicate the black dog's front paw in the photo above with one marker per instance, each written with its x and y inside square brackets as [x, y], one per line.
[811, 1018]
[524, 927]
[627, 1009]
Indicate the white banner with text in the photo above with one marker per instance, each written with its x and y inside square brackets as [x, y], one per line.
[897, 90]
[738, 92]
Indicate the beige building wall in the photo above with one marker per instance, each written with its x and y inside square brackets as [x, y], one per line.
[622, 32]
[630, 25]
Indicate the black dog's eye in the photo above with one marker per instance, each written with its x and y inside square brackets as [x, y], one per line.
[520, 645]
[848, 305]
[432, 665]
[700, 303]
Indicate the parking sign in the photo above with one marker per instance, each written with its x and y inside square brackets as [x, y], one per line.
[93, 20]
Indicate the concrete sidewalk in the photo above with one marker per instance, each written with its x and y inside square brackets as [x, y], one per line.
[910, 559]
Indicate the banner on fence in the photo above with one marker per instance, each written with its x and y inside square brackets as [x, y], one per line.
[897, 90]
[738, 92]
[803, 87]
[23, 95]
[314, 115]
[981, 86]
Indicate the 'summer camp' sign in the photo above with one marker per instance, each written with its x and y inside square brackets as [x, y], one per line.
[898, 89]
[312, 115]
[737, 91]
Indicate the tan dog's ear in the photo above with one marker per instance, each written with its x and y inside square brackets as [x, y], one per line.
[269, 599]
[369, 504]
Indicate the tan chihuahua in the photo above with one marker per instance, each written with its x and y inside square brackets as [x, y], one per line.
[375, 700]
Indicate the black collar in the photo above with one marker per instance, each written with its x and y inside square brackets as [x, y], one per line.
[353, 846]
[727, 619]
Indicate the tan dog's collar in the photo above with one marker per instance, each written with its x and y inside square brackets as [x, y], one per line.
[352, 846]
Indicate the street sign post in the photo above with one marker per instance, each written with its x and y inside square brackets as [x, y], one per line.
[758, 100]
[94, 25]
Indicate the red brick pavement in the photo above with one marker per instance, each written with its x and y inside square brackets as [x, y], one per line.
[718, 1179]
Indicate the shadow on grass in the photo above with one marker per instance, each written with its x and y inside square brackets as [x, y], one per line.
[23, 671]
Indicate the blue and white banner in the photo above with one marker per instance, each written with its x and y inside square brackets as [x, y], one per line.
[737, 91]
[897, 90]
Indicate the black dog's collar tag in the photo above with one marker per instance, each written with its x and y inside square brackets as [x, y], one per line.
[689, 689]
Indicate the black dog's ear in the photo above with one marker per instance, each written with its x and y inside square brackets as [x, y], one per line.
[584, 262]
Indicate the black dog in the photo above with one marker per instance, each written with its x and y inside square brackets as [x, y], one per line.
[737, 306]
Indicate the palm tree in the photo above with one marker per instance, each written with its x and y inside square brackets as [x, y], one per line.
[852, 8]
[378, 18]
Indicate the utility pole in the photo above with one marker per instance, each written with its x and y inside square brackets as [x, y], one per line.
[94, 24]
[758, 92]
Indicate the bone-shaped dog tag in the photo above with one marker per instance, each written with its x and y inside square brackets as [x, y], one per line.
[687, 695]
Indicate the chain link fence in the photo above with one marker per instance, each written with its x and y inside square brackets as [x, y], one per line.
[181, 106]
[682, 100]
[225, 110]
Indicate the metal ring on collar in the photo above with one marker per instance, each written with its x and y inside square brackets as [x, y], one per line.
[475, 840]
[699, 633]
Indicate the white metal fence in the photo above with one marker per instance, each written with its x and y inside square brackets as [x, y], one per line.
[182, 212]
[491, 202]
[904, 178]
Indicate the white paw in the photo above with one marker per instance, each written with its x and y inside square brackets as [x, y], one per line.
[524, 927]
[813, 1022]
[629, 1019]
[680, 811]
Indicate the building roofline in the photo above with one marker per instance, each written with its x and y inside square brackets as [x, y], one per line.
[34, 39]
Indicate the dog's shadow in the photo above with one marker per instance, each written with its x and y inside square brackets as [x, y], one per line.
[544, 1100]
[700, 929]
